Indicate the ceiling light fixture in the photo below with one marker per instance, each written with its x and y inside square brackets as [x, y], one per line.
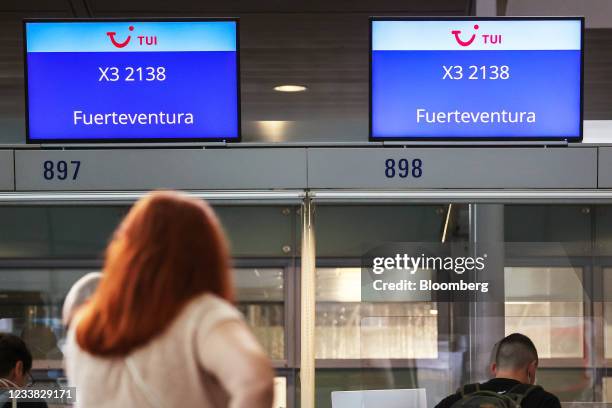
[290, 88]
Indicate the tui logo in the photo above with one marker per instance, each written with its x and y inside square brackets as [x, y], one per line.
[462, 43]
[117, 44]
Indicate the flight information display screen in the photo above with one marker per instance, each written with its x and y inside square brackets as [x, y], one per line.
[476, 78]
[118, 80]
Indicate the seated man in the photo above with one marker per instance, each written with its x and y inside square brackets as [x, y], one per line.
[15, 366]
[514, 368]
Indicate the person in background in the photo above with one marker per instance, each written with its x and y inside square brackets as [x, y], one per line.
[160, 330]
[514, 365]
[78, 294]
[15, 366]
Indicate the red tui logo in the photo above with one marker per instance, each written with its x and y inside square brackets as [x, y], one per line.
[111, 35]
[462, 43]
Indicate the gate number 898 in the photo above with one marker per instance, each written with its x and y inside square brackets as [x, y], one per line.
[404, 168]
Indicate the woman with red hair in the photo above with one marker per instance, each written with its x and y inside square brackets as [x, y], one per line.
[160, 330]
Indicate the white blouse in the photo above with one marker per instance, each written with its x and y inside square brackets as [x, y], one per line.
[207, 357]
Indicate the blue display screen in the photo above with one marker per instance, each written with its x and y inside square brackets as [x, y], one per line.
[132, 80]
[476, 79]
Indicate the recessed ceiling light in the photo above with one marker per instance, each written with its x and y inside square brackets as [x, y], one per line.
[290, 88]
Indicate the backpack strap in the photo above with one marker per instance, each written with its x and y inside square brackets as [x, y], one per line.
[523, 390]
[468, 389]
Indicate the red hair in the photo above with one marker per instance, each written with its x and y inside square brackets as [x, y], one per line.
[169, 249]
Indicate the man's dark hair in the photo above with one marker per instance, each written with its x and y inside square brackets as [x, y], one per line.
[12, 350]
[515, 351]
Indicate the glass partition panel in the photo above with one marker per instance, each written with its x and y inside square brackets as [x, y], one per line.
[75, 232]
[556, 327]
[82, 232]
[552, 291]
[603, 230]
[43, 250]
[348, 231]
[607, 313]
[347, 328]
[546, 261]
[607, 389]
[261, 298]
[360, 343]
[31, 305]
[569, 384]
[570, 225]
[368, 343]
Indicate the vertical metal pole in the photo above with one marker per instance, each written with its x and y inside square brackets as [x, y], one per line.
[487, 312]
[308, 303]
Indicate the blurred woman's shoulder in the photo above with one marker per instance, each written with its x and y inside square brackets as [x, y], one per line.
[210, 303]
[208, 310]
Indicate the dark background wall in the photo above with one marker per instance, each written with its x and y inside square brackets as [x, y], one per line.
[317, 43]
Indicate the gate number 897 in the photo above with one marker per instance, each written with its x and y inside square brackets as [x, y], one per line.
[404, 168]
[61, 170]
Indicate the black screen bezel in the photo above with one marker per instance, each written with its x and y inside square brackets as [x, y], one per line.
[574, 139]
[113, 140]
